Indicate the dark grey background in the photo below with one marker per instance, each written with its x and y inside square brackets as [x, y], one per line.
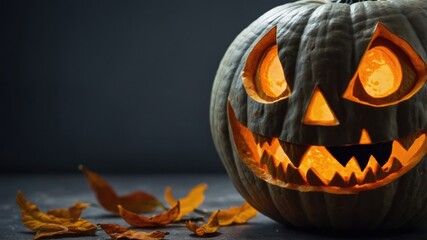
[120, 86]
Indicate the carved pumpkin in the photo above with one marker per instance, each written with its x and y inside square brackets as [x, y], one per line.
[319, 113]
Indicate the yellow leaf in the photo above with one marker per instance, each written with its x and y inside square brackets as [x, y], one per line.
[138, 202]
[211, 226]
[237, 215]
[72, 212]
[190, 202]
[118, 232]
[50, 226]
[155, 221]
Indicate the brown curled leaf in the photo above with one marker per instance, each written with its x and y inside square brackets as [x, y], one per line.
[210, 227]
[138, 202]
[72, 212]
[190, 202]
[50, 226]
[118, 232]
[238, 215]
[156, 221]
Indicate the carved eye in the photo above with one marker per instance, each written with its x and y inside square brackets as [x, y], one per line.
[263, 76]
[271, 77]
[389, 72]
[380, 72]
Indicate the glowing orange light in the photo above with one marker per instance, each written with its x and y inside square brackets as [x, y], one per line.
[318, 111]
[380, 72]
[365, 138]
[269, 161]
[272, 78]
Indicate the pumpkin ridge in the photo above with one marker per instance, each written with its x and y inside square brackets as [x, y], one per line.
[421, 213]
[297, 52]
[412, 28]
[279, 201]
[322, 44]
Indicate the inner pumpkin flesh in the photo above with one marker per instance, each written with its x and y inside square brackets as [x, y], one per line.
[334, 169]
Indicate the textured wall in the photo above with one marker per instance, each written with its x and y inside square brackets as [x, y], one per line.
[120, 86]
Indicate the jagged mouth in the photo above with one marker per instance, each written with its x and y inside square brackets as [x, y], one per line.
[334, 169]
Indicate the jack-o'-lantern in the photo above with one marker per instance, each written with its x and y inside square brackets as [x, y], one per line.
[319, 113]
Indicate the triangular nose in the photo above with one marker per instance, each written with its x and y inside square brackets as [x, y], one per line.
[318, 111]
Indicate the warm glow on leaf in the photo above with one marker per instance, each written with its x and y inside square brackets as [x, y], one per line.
[318, 111]
[380, 72]
[116, 231]
[50, 226]
[190, 202]
[211, 226]
[137, 202]
[72, 212]
[155, 221]
[238, 215]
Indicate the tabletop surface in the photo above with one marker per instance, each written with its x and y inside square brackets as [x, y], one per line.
[59, 191]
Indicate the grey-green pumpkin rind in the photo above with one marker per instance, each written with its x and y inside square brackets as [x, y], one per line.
[321, 44]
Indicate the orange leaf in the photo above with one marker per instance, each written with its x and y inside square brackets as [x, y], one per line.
[210, 227]
[138, 202]
[50, 226]
[72, 212]
[190, 202]
[237, 215]
[118, 232]
[155, 221]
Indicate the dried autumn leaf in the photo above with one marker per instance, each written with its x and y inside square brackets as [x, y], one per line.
[210, 227]
[138, 202]
[190, 202]
[237, 215]
[155, 221]
[118, 232]
[50, 226]
[72, 212]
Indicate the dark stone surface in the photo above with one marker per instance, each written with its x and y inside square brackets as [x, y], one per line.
[56, 191]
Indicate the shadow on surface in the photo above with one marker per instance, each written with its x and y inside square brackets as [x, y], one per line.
[413, 233]
[103, 216]
[211, 235]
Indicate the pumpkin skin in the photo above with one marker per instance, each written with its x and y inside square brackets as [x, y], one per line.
[321, 45]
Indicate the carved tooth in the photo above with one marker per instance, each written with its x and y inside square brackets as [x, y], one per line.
[353, 164]
[271, 166]
[373, 163]
[294, 176]
[341, 154]
[264, 157]
[295, 152]
[369, 176]
[262, 140]
[281, 169]
[407, 141]
[380, 173]
[313, 179]
[255, 138]
[395, 166]
[338, 181]
[270, 140]
[362, 158]
[382, 152]
[352, 181]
